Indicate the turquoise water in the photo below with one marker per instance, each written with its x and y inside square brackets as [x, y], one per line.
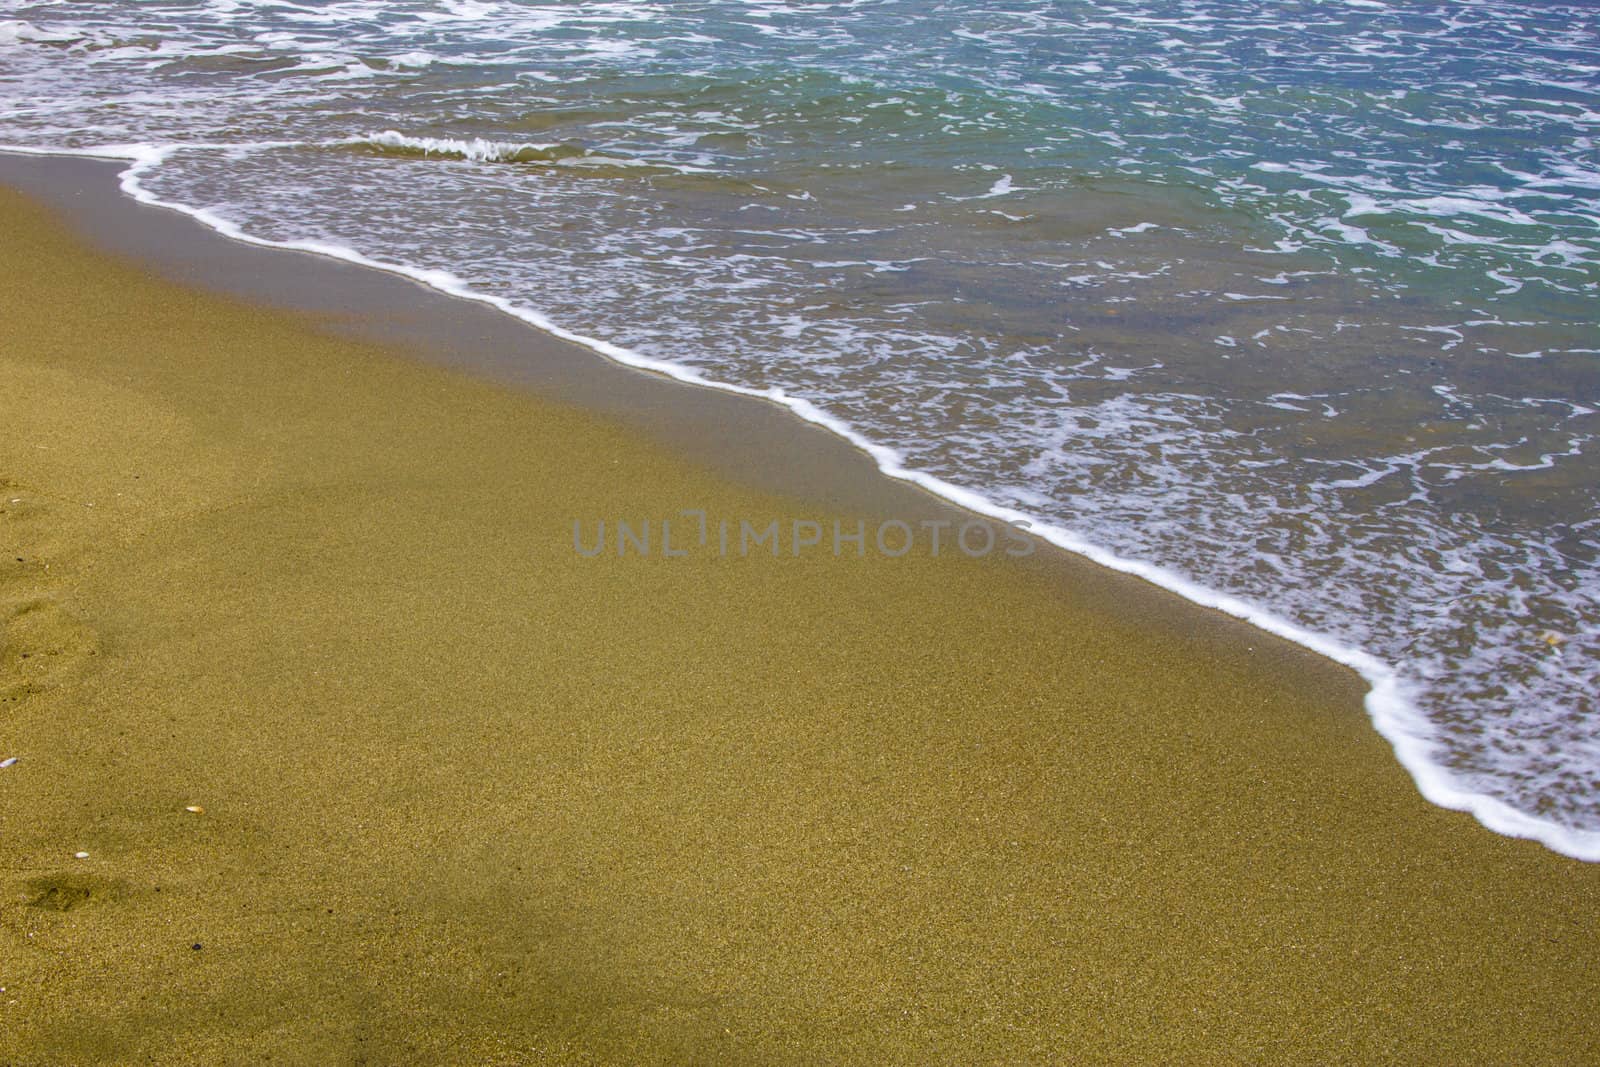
[1296, 302]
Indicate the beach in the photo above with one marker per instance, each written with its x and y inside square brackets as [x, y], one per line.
[465, 794]
[1286, 317]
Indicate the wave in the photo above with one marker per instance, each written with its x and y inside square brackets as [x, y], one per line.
[1390, 705]
[573, 158]
[478, 150]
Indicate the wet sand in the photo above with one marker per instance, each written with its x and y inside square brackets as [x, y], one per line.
[471, 797]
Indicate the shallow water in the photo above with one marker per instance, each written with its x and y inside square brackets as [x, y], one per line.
[1297, 301]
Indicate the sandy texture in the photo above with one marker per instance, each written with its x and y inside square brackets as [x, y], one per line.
[469, 797]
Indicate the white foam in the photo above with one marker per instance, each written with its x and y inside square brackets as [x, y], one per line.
[477, 149]
[1392, 709]
[1001, 187]
[18, 32]
[469, 10]
[413, 60]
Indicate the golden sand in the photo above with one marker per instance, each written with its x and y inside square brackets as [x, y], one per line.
[371, 767]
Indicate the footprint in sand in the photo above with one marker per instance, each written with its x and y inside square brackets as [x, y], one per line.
[41, 645]
[64, 892]
[20, 566]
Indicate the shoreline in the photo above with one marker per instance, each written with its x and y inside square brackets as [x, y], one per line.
[1392, 713]
[466, 793]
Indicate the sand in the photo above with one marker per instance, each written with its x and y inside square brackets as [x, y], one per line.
[469, 797]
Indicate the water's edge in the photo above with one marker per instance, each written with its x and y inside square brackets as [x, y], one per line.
[1389, 707]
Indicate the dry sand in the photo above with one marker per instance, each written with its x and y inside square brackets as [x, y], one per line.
[470, 798]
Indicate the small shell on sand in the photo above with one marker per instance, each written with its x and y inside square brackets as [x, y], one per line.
[8, 761]
[80, 855]
[197, 809]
